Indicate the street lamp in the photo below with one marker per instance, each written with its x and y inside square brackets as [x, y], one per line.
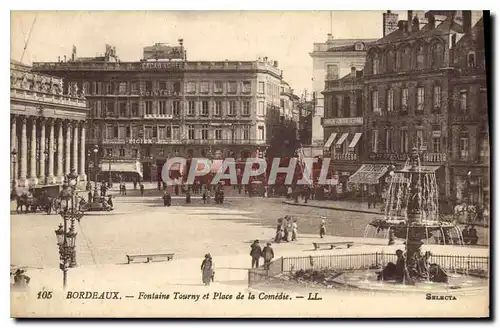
[14, 157]
[95, 150]
[66, 238]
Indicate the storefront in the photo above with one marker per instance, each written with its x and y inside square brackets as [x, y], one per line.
[127, 171]
[471, 185]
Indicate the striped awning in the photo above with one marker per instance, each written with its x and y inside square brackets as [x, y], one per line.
[132, 166]
[355, 140]
[329, 142]
[369, 174]
[342, 139]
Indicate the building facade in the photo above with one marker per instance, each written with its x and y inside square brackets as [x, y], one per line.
[331, 60]
[470, 151]
[149, 111]
[419, 92]
[48, 129]
[343, 125]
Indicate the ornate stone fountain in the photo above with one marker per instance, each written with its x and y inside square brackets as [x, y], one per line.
[412, 214]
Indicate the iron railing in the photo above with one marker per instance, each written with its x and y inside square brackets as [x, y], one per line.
[454, 263]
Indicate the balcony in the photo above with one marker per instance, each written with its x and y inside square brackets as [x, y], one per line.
[342, 121]
[226, 142]
[460, 119]
[158, 116]
[345, 157]
[434, 157]
[111, 141]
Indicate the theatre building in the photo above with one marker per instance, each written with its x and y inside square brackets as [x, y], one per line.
[146, 111]
[343, 125]
[47, 127]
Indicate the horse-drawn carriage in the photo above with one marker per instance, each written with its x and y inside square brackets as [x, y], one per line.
[43, 198]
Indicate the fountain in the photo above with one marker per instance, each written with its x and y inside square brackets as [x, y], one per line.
[412, 214]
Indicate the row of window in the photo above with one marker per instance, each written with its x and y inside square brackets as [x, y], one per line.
[164, 107]
[163, 132]
[407, 58]
[419, 101]
[167, 87]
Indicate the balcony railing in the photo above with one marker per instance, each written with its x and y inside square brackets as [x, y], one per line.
[434, 157]
[158, 116]
[426, 157]
[167, 141]
[345, 156]
[226, 142]
[37, 96]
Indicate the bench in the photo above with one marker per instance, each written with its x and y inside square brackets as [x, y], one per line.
[333, 245]
[150, 257]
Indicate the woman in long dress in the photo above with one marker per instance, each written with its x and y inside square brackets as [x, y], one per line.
[207, 270]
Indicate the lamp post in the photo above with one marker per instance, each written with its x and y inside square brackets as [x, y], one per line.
[14, 175]
[66, 238]
[110, 181]
[95, 150]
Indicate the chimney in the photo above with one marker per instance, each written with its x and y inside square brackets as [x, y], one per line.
[415, 24]
[467, 16]
[329, 37]
[409, 20]
[403, 25]
[353, 72]
[389, 23]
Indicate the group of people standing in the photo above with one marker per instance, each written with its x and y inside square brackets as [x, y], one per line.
[286, 230]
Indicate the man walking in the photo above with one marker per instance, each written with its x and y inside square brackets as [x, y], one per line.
[268, 255]
[322, 227]
[255, 253]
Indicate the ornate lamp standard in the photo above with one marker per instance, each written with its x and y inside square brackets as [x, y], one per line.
[14, 173]
[95, 150]
[66, 238]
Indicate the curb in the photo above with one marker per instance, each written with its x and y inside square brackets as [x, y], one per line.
[331, 208]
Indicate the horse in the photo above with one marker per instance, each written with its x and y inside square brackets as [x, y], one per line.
[29, 202]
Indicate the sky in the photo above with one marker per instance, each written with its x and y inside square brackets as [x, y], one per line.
[285, 36]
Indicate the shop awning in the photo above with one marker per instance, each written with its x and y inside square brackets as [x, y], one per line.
[355, 140]
[342, 139]
[368, 174]
[134, 166]
[329, 142]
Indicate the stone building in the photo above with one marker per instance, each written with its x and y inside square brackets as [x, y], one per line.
[412, 83]
[468, 115]
[343, 125]
[331, 60]
[48, 129]
[147, 111]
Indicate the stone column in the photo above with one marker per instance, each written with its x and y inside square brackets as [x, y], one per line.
[67, 157]
[60, 150]
[74, 162]
[33, 159]
[83, 177]
[23, 154]
[41, 174]
[50, 177]
[13, 147]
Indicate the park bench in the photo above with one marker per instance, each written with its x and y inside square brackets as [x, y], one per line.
[151, 257]
[333, 245]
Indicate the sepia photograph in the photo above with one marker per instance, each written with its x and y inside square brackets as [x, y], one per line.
[250, 164]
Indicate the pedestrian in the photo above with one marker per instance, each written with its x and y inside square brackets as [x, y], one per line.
[306, 194]
[110, 201]
[124, 189]
[322, 227]
[286, 228]
[135, 184]
[141, 187]
[21, 280]
[289, 192]
[188, 197]
[277, 238]
[205, 197]
[255, 253]
[207, 270]
[294, 230]
[268, 255]
[166, 199]
[90, 196]
[176, 190]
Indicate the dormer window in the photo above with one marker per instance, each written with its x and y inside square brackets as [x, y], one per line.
[358, 46]
[375, 65]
